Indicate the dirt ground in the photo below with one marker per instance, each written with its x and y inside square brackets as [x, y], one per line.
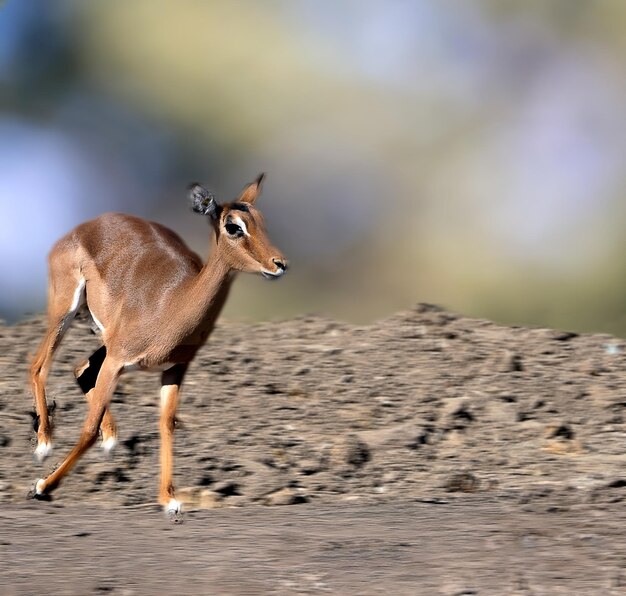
[425, 454]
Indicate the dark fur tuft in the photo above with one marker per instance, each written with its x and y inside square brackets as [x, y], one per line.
[202, 201]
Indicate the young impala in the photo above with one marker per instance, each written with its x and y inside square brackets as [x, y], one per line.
[154, 303]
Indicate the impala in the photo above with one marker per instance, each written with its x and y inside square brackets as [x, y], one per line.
[154, 303]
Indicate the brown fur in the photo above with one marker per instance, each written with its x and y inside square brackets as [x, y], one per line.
[157, 304]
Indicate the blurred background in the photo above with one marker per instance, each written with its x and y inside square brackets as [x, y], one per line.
[469, 153]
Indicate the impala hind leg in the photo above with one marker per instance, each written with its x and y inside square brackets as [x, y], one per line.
[65, 296]
[171, 381]
[86, 375]
[38, 375]
[101, 395]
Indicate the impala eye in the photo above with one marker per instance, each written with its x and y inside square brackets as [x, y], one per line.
[234, 229]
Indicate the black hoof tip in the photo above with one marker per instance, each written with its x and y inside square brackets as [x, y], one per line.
[175, 517]
[33, 494]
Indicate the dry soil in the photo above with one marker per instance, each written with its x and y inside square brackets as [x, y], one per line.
[425, 454]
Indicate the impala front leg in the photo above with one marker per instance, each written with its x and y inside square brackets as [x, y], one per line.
[171, 380]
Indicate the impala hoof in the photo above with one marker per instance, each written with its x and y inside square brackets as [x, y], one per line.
[174, 511]
[108, 445]
[38, 492]
[43, 450]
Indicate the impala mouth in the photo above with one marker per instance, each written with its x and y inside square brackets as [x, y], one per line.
[272, 274]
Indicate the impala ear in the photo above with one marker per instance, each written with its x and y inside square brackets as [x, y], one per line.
[202, 201]
[251, 192]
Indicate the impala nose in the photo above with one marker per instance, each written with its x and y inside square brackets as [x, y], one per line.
[280, 263]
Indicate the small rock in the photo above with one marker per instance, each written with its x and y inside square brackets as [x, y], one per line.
[272, 389]
[284, 496]
[425, 307]
[510, 362]
[559, 431]
[309, 466]
[227, 488]
[463, 482]
[209, 499]
[456, 413]
[351, 451]
[557, 335]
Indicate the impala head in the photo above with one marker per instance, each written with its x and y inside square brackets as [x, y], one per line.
[240, 231]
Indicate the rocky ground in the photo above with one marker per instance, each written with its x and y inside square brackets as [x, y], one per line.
[425, 406]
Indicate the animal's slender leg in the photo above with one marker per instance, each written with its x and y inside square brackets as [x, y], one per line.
[101, 395]
[86, 374]
[38, 376]
[171, 380]
[64, 298]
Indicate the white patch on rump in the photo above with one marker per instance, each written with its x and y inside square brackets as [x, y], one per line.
[77, 301]
[79, 296]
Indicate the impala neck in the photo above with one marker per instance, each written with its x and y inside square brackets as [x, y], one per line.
[206, 294]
